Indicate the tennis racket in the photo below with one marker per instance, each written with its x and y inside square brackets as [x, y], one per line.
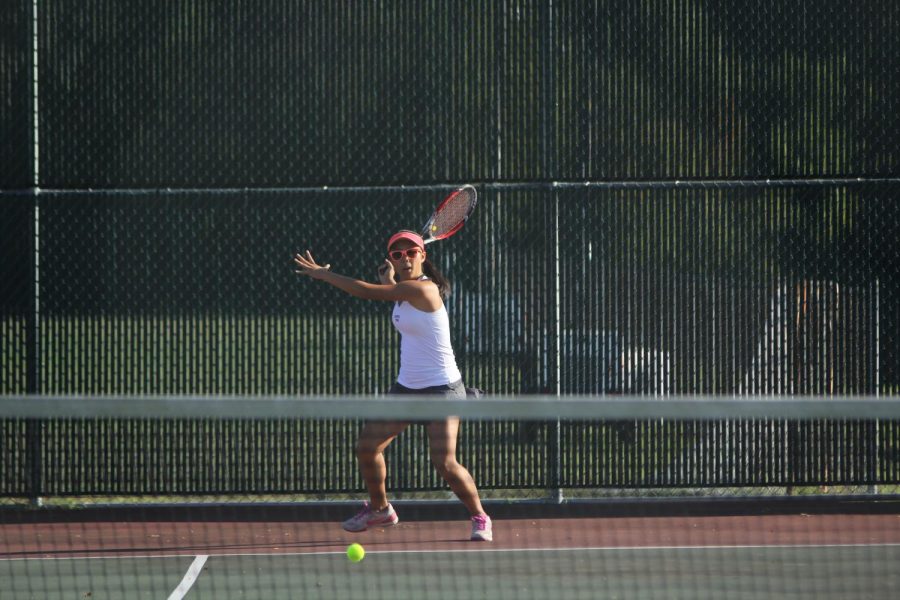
[450, 215]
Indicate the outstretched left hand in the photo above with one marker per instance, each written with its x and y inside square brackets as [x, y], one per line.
[307, 266]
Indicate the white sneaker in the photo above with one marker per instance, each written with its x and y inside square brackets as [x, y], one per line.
[371, 518]
[482, 530]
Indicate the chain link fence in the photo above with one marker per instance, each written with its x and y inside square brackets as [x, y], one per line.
[676, 197]
[675, 289]
[293, 94]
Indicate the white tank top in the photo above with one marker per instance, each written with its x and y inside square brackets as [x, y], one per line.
[426, 355]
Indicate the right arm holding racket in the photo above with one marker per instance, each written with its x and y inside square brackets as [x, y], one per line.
[448, 218]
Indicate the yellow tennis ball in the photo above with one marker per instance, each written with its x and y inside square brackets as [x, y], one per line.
[355, 552]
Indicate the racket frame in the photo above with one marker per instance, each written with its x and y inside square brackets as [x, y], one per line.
[427, 236]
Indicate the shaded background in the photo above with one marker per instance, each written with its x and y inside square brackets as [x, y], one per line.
[675, 196]
[726, 285]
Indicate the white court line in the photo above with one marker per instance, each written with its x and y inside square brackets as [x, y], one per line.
[480, 548]
[189, 578]
[581, 549]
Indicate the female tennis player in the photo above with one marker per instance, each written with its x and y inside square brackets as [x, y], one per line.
[427, 366]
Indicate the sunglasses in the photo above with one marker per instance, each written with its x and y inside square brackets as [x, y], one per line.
[409, 253]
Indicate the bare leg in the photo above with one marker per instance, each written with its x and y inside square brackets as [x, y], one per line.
[373, 439]
[442, 440]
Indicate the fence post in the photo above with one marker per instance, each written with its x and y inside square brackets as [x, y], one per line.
[33, 467]
[33, 442]
[874, 469]
[548, 163]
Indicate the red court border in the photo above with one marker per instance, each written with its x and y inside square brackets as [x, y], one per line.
[305, 528]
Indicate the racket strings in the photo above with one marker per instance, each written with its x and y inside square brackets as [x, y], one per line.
[455, 211]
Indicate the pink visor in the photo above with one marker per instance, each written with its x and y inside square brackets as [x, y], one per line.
[406, 235]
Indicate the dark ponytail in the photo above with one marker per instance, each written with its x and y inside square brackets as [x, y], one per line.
[437, 277]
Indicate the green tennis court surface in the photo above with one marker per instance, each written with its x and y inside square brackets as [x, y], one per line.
[627, 549]
[678, 572]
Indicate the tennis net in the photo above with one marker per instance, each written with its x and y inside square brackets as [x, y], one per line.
[609, 496]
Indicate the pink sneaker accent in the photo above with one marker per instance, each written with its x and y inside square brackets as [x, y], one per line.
[367, 517]
[482, 530]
